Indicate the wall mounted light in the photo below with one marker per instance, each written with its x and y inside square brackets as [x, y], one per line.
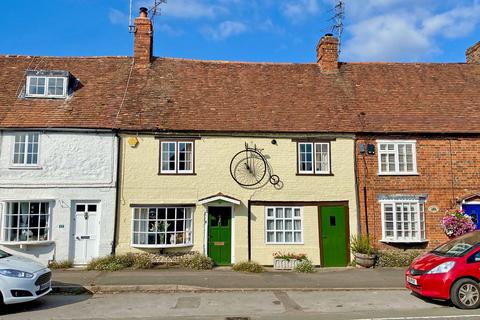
[132, 141]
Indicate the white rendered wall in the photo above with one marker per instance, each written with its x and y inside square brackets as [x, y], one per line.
[72, 167]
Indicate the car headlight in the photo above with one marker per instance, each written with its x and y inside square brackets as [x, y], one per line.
[16, 273]
[442, 268]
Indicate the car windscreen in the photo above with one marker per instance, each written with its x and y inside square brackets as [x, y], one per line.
[460, 246]
[3, 254]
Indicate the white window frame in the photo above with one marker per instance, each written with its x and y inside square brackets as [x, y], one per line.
[48, 227]
[176, 170]
[25, 150]
[314, 170]
[45, 92]
[420, 207]
[396, 143]
[302, 227]
[139, 245]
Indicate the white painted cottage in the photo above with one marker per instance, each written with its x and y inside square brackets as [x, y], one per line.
[57, 193]
[58, 155]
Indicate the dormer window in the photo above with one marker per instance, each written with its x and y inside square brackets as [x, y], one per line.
[47, 84]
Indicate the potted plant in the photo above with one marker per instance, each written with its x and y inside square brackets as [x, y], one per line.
[362, 250]
[456, 222]
[287, 261]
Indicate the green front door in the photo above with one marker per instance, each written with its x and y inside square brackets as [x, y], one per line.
[334, 236]
[219, 234]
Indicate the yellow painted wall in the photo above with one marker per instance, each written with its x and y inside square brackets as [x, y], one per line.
[141, 184]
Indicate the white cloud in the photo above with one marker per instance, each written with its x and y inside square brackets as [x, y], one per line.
[117, 17]
[225, 30]
[394, 30]
[297, 10]
[454, 23]
[387, 38]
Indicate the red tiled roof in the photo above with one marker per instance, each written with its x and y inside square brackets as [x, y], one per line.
[189, 95]
[94, 103]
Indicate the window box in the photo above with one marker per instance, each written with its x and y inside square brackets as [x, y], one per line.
[285, 264]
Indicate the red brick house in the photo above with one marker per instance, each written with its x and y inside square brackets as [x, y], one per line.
[417, 149]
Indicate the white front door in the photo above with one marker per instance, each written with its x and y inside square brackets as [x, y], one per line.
[86, 228]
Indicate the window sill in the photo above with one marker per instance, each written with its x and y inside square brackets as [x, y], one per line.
[25, 168]
[27, 243]
[176, 174]
[284, 243]
[28, 96]
[404, 241]
[398, 174]
[159, 246]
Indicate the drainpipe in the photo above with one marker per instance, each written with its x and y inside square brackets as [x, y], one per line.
[357, 189]
[118, 194]
[249, 231]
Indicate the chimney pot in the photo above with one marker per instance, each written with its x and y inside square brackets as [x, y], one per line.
[473, 53]
[143, 12]
[327, 53]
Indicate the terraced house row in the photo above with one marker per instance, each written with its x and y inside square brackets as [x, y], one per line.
[235, 160]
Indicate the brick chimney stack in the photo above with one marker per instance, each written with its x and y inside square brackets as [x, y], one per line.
[327, 53]
[143, 44]
[473, 53]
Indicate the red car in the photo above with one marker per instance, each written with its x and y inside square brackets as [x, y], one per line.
[449, 272]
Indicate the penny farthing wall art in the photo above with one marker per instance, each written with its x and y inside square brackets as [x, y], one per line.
[250, 168]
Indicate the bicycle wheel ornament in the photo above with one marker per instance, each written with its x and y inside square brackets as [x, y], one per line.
[248, 167]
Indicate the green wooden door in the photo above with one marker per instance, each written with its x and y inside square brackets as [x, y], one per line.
[334, 236]
[219, 234]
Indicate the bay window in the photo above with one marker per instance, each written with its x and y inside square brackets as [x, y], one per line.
[162, 227]
[403, 221]
[26, 221]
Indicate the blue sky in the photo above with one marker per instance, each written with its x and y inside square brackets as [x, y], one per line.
[245, 30]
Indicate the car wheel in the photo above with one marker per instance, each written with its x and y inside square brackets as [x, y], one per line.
[465, 294]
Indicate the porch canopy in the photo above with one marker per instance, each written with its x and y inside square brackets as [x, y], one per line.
[219, 198]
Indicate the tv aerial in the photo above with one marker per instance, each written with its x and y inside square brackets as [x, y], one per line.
[153, 11]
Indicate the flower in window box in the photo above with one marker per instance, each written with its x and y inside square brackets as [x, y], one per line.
[455, 223]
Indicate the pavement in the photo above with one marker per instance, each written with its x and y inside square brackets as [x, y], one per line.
[178, 280]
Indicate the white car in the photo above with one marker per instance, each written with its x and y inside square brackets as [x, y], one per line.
[22, 279]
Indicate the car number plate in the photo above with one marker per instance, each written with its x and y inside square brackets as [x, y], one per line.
[45, 286]
[412, 281]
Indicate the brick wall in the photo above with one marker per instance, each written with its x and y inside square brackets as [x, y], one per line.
[448, 170]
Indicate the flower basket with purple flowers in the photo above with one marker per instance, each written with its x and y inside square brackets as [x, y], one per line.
[456, 222]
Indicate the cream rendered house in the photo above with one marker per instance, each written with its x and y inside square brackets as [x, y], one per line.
[236, 160]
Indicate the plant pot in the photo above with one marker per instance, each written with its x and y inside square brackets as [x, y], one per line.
[284, 264]
[364, 260]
